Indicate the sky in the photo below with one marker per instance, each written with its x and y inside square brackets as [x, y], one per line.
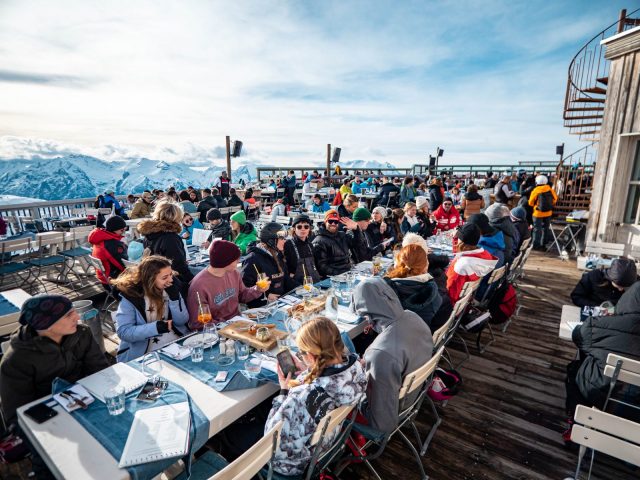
[384, 80]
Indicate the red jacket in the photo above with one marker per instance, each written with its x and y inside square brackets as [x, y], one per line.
[468, 267]
[109, 248]
[446, 220]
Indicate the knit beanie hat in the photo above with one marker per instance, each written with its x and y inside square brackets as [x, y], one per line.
[115, 223]
[223, 253]
[622, 272]
[482, 221]
[496, 211]
[519, 213]
[381, 210]
[421, 202]
[214, 214]
[302, 218]
[331, 215]
[44, 310]
[361, 213]
[239, 217]
[469, 234]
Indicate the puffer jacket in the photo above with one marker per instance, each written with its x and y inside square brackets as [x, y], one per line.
[533, 200]
[305, 405]
[260, 259]
[418, 294]
[110, 250]
[206, 204]
[494, 244]
[403, 344]
[472, 203]
[246, 236]
[161, 238]
[522, 228]
[298, 253]
[435, 197]
[510, 236]
[221, 230]
[596, 337]
[446, 220]
[332, 252]
[594, 288]
[141, 209]
[33, 361]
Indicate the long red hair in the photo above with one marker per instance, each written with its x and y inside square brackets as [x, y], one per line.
[410, 261]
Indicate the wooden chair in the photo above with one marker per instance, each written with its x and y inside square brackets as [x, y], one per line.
[614, 250]
[212, 466]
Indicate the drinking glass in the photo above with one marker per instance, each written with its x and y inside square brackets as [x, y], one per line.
[307, 283]
[263, 282]
[253, 366]
[204, 314]
[197, 352]
[243, 351]
[210, 334]
[151, 366]
[114, 398]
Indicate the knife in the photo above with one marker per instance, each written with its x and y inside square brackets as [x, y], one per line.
[77, 399]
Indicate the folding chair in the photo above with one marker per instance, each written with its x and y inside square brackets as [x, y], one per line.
[74, 249]
[46, 258]
[212, 466]
[417, 381]
[468, 291]
[110, 299]
[445, 333]
[481, 306]
[13, 256]
[391, 199]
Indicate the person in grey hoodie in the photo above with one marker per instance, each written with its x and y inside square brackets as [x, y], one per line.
[500, 217]
[404, 343]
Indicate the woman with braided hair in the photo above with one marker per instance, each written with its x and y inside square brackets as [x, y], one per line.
[328, 378]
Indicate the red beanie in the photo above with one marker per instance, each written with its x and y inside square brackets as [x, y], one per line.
[223, 253]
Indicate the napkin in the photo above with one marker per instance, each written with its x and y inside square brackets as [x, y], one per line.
[177, 352]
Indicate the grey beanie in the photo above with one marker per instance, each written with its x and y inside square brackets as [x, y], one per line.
[497, 211]
[622, 272]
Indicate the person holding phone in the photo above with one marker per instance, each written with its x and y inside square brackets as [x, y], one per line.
[152, 311]
[327, 378]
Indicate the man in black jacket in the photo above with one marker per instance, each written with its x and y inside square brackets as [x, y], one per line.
[220, 228]
[599, 286]
[234, 199]
[206, 204]
[383, 194]
[220, 201]
[331, 247]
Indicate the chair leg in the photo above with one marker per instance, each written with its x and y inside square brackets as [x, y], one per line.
[481, 348]
[466, 351]
[432, 432]
[581, 453]
[423, 475]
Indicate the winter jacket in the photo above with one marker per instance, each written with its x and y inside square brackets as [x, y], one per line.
[221, 230]
[246, 236]
[223, 185]
[221, 202]
[196, 224]
[109, 201]
[403, 344]
[383, 194]
[289, 182]
[522, 228]
[435, 197]
[424, 227]
[503, 193]
[260, 259]
[343, 212]
[418, 294]
[356, 188]
[407, 194]
[446, 220]
[510, 236]
[135, 332]
[596, 337]
[494, 244]
[365, 244]
[110, 250]
[468, 267]
[141, 209]
[162, 238]
[323, 207]
[33, 361]
[471, 203]
[234, 201]
[332, 252]
[206, 204]
[594, 288]
[298, 253]
[305, 405]
[533, 200]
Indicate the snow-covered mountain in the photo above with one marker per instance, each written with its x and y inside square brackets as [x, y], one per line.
[81, 176]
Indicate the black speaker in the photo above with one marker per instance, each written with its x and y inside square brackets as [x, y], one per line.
[432, 161]
[560, 149]
[440, 152]
[237, 148]
[336, 155]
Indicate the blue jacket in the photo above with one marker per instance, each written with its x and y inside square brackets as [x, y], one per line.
[495, 245]
[287, 182]
[407, 194]
[108, 201]
[196, 224]
[135, 332]
[356, 188]
[323, 207]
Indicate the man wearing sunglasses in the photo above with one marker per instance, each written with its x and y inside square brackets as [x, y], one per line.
[298, 252]
[447, 217]
[332, 247]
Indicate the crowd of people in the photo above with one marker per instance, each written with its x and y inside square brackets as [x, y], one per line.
[160, 296]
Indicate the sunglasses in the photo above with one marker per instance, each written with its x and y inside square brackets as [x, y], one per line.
[333, 222]
[302, 227]
[188, 220]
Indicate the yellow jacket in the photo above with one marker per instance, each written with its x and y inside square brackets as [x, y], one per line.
[533, 200]
[345, 190]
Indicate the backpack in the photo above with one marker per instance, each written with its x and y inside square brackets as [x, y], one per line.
[503, 304]
[445, 384]
[545, 202]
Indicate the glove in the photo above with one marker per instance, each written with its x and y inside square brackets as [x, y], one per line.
[163, 327]
[173, 291]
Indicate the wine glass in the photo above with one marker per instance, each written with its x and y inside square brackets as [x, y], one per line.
[307, 283]
[210, 334]
[151, 367]
[204, 317]
[262, 282]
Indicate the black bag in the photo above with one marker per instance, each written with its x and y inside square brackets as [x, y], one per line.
[545, 202]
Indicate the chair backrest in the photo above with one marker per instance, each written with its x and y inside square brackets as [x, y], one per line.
[105, 211]
[607, 433]
[331, 420]
[46, 239]
[17, 245]
[251, 462]
[497, 274]
[629, 369]
[419, 376]
[441, 335]
[235, 209]
[283, 219]
[470, 287]
[96, 263]
[92, 211]
[264, 218]
[225, 210]
[604, 248]
[4, 346]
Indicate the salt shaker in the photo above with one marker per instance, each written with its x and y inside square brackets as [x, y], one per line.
[230, 349]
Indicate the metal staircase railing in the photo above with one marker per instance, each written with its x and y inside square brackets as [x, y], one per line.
[587, 82]
[574, 180]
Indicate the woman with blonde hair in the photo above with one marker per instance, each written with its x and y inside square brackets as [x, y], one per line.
[152, 311]
[162, 237]
[327, 378]
[416, 288]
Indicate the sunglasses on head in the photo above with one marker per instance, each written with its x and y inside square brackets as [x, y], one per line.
[302, 226]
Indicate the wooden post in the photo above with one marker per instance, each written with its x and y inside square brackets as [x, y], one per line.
[229, 157]
[329, 165]
[621, 20]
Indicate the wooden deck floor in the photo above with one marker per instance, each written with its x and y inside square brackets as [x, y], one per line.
[507, 421]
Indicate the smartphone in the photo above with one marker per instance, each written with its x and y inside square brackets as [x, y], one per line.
[285, 360]
[40, 413]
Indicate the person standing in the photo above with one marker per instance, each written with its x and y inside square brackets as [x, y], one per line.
[436, 196]
[542, 199]
[289, 184]
[502, 191]
[223, 184]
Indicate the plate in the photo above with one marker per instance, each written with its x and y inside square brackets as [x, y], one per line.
[252, 313]
[198, 337]
[301, 291]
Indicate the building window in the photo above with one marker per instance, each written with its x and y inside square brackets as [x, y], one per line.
[632, 210]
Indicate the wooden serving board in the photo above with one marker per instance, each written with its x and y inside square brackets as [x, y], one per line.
[236, 331]
[315, 305]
